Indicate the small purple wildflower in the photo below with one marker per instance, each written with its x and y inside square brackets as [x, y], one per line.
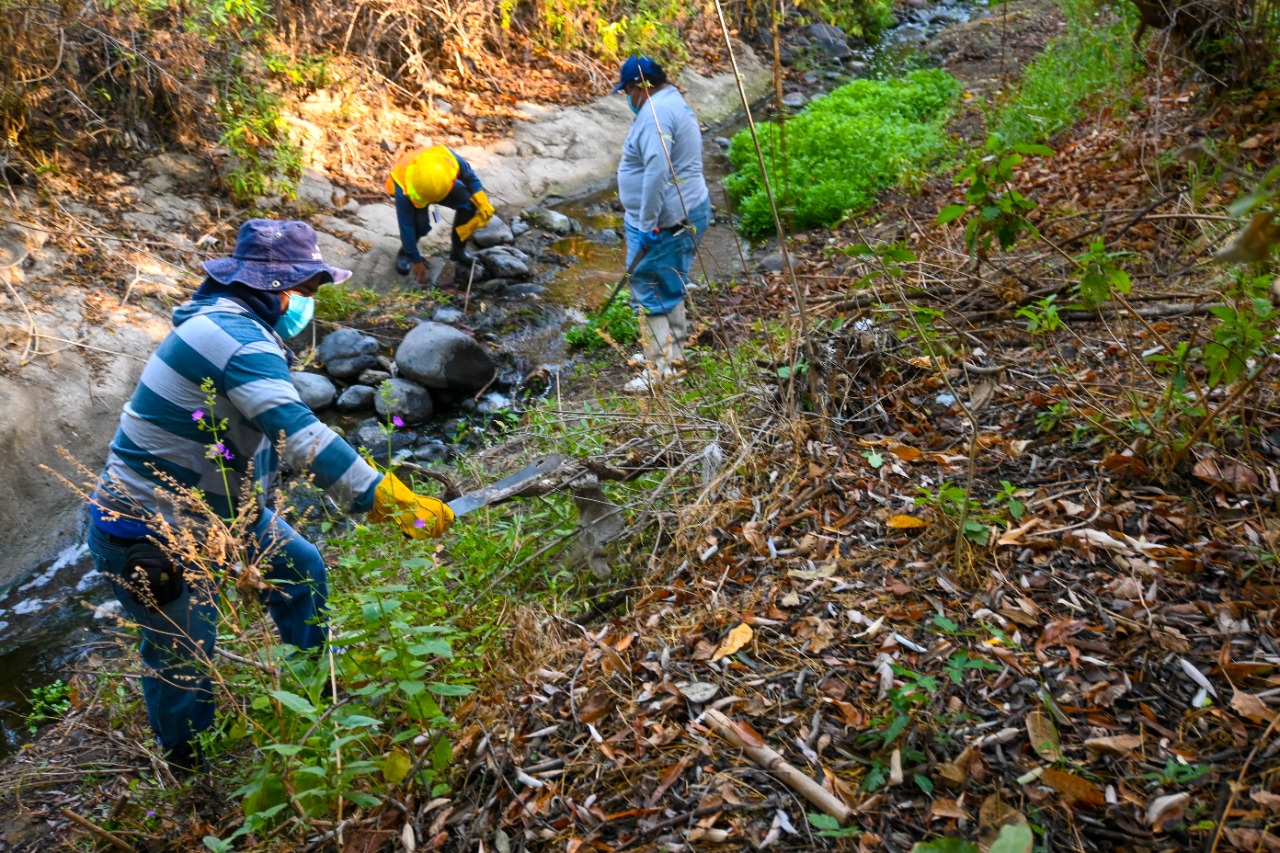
[198, 414]
[419, 522]
[220, 449]
[151, 813]
[397, 420]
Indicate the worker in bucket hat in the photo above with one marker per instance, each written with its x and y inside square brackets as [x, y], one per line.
[196, 456]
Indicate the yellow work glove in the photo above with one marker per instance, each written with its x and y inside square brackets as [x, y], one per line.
[418, 516]
[466, 229]
[484, 210]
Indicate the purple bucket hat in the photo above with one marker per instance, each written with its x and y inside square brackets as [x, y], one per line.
[273, 256]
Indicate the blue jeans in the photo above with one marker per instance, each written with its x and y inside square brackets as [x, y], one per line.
[177, 639]
[658, 281]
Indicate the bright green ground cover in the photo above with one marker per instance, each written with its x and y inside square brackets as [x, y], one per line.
[1094, 59]
[842, 150]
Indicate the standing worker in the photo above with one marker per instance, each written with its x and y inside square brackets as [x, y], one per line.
[201, 437]
[430, 176]
[667, 207]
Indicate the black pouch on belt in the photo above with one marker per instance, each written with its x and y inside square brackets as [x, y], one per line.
[150, 575]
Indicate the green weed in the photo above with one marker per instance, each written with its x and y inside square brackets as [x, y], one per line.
[48, 703]
[841, 151]
[1094, 58]
[619, 322]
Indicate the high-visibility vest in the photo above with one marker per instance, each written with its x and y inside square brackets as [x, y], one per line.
[403, 170]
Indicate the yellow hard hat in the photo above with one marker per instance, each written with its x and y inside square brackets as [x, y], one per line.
[430, 176]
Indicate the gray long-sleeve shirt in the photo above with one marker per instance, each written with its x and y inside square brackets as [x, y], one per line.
[649, 194]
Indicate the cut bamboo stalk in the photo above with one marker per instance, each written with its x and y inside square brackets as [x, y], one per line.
[772, 761]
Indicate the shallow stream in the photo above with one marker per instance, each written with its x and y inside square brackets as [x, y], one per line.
[46, 620]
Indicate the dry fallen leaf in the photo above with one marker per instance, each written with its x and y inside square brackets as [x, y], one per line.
[738, 637]
[1074, 789]
[1170, 807]
[1043, 735]
[905, 522]
[1252, 708]
[1117, 745]
[944, 807]
[954, 773]
[1252, 244]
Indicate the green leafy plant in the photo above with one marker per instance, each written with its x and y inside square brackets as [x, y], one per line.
[48, 703]
[266, 158]
[1013, 838]
[1042, 316]
[1048, 420]
[961, 662]
[1100, 274]
[829, 827]
[999, 208]
[618, 324]
[839, 153]
[1008, 498]
[951, 500]
[1245, 327]
[1092, 60]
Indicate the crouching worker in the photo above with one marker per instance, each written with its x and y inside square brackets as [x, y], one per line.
[202, 435]
[436, 176]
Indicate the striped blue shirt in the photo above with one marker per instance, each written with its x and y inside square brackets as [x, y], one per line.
[173, 434]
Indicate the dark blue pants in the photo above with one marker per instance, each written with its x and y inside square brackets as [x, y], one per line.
[415, 222]
[177, 639]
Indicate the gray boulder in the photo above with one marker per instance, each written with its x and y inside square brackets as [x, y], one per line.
[518, 227]
[316, 391]
[408, 400]
[346, 353]
[373, 377]
[440, 356]
[376, 438]
[448, 314]
[503, 264]
[549, 220]
[496, 233]
[829, 39]
[794, 99]
[357, 398]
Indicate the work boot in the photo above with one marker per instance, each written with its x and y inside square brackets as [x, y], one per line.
[402, 263]
[656, 341]
[458, 252]
[679, 323]
[186, 760]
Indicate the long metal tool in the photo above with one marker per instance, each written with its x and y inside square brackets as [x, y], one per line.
[507, 487]
[626, 277]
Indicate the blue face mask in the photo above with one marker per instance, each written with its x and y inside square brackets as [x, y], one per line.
[634, 109]
[295, 319]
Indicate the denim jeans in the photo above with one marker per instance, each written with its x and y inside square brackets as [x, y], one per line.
[658, 281]
[178, 638]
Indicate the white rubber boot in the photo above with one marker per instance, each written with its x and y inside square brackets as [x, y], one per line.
[657, 343]
[656, 340]
[678, 320]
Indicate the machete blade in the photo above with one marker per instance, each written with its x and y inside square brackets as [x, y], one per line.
[507, 487]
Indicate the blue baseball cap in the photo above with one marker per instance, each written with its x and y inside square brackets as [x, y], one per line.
[273, 256]
[635, 69]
